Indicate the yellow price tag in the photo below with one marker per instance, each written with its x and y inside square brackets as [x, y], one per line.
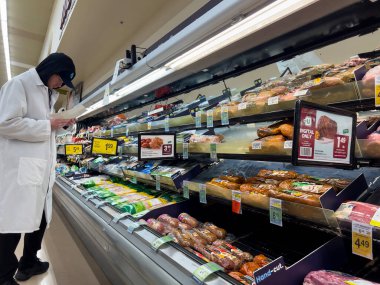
[377, 91]
[317, 80]
[104, 146]
[362, 240]
[73, 149]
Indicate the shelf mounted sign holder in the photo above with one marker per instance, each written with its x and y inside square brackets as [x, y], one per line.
[323, 136]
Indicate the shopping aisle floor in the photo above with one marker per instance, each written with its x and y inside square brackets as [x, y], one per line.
[70, 262]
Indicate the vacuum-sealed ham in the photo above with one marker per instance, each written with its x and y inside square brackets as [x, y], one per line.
[359, 212]
[324, 277]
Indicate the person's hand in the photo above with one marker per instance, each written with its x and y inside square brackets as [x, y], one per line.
[59, 123]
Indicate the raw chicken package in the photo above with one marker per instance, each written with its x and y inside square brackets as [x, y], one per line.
[360, 212]
[324, 277]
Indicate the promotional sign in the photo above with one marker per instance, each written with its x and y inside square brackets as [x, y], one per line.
[236, 201]
[156, 146]
[73, 149]
[104, 146]
[269, 270]
[362, 240]
[323, 136]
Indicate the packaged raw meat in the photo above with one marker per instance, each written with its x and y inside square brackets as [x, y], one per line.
[219, 232]
[187, 219]
[184, 226]
[156, 225]
[222, 253]
[277, 174]
[226, 184]
[198, 254]
[244, 279]
[232, 178]
[303, 186]
[359, 212]
[258, 188]
[261, 260]
[296, 196]
[194, 236]
[168, 219]
[369, 77]
[206, 234]
[261, 180]
[245, 256]
[249, 267]
[324, 277]
[182, 239]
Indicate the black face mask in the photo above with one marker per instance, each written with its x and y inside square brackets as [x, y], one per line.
[55, 63]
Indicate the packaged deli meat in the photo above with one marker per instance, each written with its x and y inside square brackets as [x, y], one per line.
[206, 234]
[187, 219]
[277, 174]
[246, 256]
[324, 277]
[168, 219]
[304, 186]
[244, 279]
[296, 196]
[359, 212]
[232, 178]
[219, 232]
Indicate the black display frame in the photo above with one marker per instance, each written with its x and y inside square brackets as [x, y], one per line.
[300, 104]
[158, 134]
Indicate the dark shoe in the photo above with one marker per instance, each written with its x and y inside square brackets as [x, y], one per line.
[10, 282]
[38, 267]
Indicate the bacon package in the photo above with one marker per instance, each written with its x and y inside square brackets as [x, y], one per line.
[359, 212]
[324, 277]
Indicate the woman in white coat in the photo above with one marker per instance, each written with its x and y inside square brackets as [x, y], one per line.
[27, 162]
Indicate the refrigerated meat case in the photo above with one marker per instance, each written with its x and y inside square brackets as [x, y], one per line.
[123, 248]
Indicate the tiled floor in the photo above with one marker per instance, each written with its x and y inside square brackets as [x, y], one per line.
[70, 262]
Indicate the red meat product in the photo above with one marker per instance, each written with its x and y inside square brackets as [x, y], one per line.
[234, 264]
[223, 261]
[191, 234]
[327, 128]
[249, 267]
[197, 254]
[184, 226]
[183, 240]
[187, 219]
[244, 279]
[169, 220]
[219, 232]
[357, 211]
[324, 277]
[261, 260]
[369, 77]
[246, 256]
[156, 225]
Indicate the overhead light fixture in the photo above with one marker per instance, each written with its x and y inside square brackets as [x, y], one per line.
[258, 20]
[145, 80]
[4, 31]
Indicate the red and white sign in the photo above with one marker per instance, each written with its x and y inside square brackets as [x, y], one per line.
[324, 136]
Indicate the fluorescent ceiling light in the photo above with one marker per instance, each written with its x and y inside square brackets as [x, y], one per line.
[145, 80]
[258, 20]
[4, 31]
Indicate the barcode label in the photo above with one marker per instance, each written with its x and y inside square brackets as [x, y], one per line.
[256, 145]
[305, 151]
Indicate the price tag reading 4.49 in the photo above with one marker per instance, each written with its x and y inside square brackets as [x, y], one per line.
[73, 149]
[202, 272]
[275, 211]
[157, 243]
[362, 240]
[104, 146]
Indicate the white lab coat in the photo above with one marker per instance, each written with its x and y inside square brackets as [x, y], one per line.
[27, 153]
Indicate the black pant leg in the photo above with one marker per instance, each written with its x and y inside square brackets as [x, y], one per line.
[8, 259]
[32, 244]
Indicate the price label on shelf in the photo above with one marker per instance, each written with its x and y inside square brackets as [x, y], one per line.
[275, 211]
[73, 149]
[104, 146]
[358, 282]
[362, 240]
[377, 91]
[202, 193]
[375, 221]
[273, 100]
[132, 227]
[224, 116]
[157, 243]
[126, 131]
[106, 96]
[112, 132]
[242, 106]
[166, 123]
[134, 180]
[185, 150]
[210, 118]
[87, 134]
[202, 272]
[158, 182]
[213, 154]
[185, 190]
[257, 145]
[300, 93]
[198, 119]
[288, 144]
[120, 216]
[149, 126]
[236, 201]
